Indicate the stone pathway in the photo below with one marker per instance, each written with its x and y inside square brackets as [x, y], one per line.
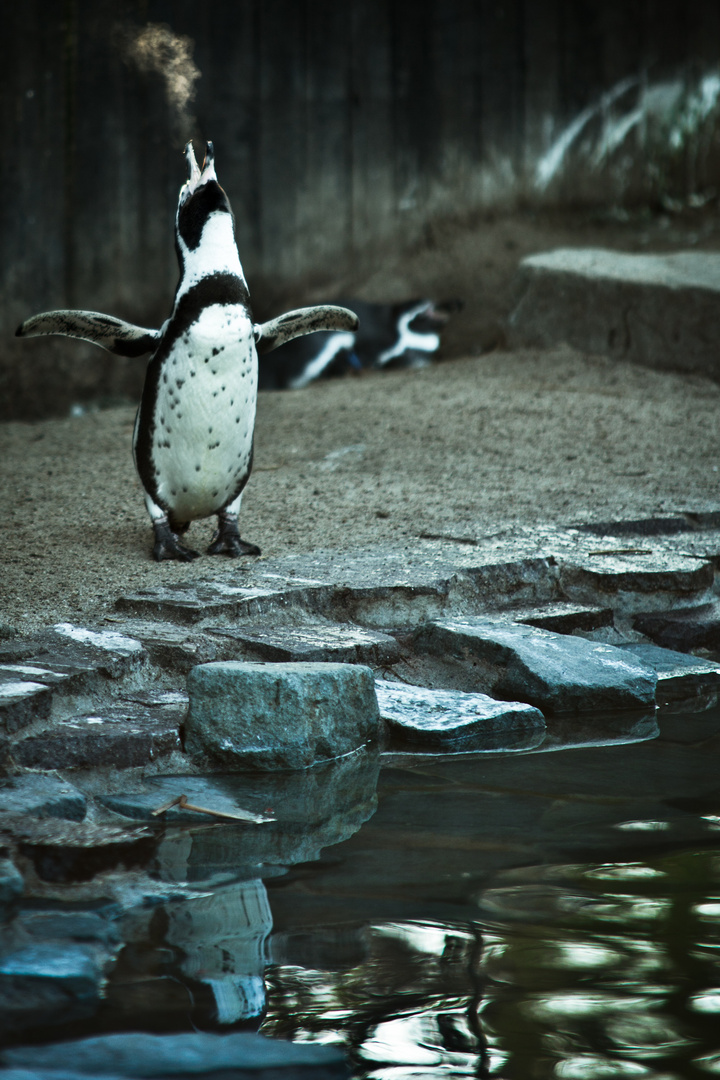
[522, 642]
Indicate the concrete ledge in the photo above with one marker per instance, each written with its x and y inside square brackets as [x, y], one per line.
[279, 716]
[656, 310]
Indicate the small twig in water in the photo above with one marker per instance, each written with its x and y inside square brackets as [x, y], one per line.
[182, 804]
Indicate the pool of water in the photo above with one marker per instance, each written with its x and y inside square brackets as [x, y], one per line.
[546, 912]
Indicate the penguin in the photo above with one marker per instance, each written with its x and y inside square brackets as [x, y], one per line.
[406, 334]
[193, 435]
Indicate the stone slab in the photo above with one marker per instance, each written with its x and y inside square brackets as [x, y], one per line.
[208, 792]
[174, 646]
[61, 661]
[565, 618]
[682, 629]
[314, 642]
[188, 604]
[136, 1054]
[117, 735]
[22, 702]
[656, 310]
[555, 672]
[679, 676]
[450, 719]
[632, 582]
[279, 716]
[37, 796]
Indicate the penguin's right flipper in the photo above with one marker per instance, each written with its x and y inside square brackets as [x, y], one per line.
[121, 338]
[308, 320]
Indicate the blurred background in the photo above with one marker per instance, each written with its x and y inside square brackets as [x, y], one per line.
[371, 147]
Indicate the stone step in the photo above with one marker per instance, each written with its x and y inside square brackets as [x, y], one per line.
[119, 735]
[339, 642]
[680, 677]
[655, 310]
[565, 618]
[682, 629]
[173, 646]
[60, 664]
[34, 795]
[188, 604]
[630, 580]
[451, 720]
[557, 673]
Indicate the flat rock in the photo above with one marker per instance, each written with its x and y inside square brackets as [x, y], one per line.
[116, 735]
[555, 672]
[679, 675]
[339, 642]
[683, 629]
[37, 796]
[631, 580]
[656, 310]
[210, 793]
[564, 618]
[22, 702]
[171, 645]
[61, 661]
[210, 599]
[139, 1055]
[450, 719]
[279, 716]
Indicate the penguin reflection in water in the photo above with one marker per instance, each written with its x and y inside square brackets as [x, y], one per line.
[193, 439]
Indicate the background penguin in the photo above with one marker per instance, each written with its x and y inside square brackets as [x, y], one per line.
[193, 438]
[390, 335]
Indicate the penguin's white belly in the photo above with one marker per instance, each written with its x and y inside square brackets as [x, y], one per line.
[205, 413]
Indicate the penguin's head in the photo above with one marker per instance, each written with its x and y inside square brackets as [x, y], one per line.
[200, 197]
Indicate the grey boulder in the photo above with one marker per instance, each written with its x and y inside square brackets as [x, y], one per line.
[279, 716]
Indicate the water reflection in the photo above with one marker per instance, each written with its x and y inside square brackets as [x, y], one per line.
[540, 985]
[528, 916]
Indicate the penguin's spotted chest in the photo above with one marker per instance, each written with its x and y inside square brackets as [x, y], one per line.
[193, 438]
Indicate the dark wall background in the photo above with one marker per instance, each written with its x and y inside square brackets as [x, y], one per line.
[342, 130]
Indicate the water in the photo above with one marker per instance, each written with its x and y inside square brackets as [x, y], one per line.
[530, 914]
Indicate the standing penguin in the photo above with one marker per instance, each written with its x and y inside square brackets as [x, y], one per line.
[193, 438]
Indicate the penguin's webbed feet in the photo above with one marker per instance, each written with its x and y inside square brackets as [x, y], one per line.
[168, 546]
[226, 539]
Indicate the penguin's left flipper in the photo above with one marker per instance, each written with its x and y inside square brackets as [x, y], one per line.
[115, 335]
[269, 335]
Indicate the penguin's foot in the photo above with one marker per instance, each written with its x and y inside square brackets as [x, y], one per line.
[167, 545]
[226, 539]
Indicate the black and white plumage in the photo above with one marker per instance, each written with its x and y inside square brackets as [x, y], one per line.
[193, 438]
[406, 334]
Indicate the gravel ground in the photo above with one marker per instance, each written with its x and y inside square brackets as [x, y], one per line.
[459, 449]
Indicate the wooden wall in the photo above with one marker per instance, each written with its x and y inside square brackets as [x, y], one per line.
[341, 130]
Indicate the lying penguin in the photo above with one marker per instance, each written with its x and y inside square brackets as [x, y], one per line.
[390, 335]
[193, 438]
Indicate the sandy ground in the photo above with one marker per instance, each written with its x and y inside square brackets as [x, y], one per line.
[458, 449]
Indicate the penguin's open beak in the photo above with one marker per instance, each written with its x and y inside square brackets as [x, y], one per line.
[196, 175]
